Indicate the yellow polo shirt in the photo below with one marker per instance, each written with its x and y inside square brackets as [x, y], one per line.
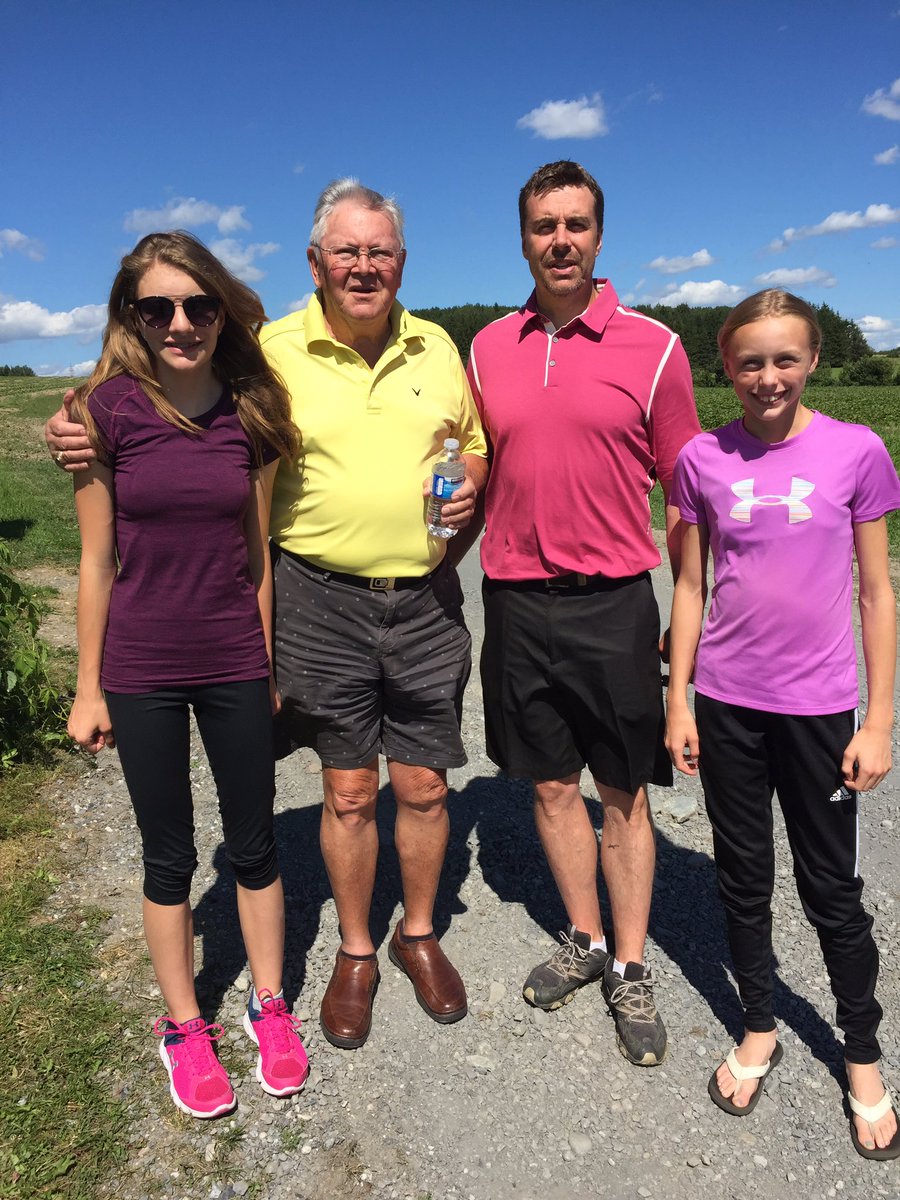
[352, 501]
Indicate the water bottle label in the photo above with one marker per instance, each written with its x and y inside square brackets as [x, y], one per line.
[444, 488]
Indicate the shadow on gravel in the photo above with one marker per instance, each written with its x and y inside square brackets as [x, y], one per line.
[306, 889]
[686, 922]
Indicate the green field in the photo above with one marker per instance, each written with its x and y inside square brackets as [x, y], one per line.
[37, 516]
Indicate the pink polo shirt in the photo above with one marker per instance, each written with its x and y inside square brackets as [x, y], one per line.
[581, 420]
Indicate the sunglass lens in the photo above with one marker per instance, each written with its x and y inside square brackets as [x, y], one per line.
[155, 311]
[201, 310]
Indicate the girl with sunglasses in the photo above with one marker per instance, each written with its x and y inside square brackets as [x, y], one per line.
[174, 613]
[784, 497]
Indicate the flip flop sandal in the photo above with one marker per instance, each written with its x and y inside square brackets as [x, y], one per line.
[873, 1113]
[740, 1074]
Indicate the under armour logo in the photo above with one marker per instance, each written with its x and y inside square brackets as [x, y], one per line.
[797, 510]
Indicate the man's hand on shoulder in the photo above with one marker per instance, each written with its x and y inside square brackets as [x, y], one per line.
[66, 440]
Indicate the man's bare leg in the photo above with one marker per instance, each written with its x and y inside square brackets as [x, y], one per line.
[420, 835]
[349, 841]
[570, 843]
[628, 861]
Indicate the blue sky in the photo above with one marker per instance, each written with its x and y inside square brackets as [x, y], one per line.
[738, 146]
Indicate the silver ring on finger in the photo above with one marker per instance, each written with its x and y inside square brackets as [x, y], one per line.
[60, 458]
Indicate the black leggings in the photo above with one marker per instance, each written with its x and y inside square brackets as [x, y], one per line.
[745, 754]
[152, 733]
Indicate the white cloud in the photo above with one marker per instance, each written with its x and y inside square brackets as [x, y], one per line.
[182, 213]
[553, 119]
[873, 324]
[880, 332]
[885, 243]
[713, 291]
[298, 305]
[840, 222]
[240, 259]
[888, 157]
[24, 319]
[675, 266]
[796, 277]
[885, 102]
[299, 168]
[73, 370]
[13, 239]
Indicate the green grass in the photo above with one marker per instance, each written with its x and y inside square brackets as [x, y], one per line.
[37, 516]
[60, 1129]
[879, 408]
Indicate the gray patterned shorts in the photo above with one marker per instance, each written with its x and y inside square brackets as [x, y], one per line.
[363, 672]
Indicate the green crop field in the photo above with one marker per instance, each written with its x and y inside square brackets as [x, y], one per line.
[37, 516]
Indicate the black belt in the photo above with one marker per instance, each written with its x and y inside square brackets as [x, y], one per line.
[373, 583]
[572, 582]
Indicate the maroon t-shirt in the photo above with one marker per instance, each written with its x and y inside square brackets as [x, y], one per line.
[183, 609]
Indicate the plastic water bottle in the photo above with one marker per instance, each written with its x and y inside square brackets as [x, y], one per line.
[447, 474]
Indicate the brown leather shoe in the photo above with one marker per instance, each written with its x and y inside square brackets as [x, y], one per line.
[437, 984]
[346, 1012]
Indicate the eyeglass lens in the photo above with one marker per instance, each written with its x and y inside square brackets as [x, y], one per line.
[158, 311]
[348, 256]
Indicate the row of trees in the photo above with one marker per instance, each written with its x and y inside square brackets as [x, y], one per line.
[4, 370]
[463, 321]
[843, 344]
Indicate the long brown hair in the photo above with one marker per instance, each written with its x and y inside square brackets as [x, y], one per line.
[260, 397]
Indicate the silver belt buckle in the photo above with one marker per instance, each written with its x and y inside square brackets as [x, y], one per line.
[382, 583]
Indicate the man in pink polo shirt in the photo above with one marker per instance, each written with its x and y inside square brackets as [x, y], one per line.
[586, 404]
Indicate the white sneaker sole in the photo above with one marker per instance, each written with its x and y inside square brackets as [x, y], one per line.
[186, 1108]
[292, 1088]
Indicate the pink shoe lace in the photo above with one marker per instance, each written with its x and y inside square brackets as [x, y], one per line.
[198, 1083]
[282, 1066]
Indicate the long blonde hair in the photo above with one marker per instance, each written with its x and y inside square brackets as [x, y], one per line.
[260, 397]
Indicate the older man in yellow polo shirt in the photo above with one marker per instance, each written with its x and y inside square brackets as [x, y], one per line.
[372, 652]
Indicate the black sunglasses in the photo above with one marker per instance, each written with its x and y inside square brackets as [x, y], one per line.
[158, 311]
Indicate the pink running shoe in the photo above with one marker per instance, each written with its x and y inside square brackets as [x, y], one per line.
[282, 1066]
[198, 1082]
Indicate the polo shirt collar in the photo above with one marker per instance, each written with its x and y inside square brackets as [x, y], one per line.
[595, 318]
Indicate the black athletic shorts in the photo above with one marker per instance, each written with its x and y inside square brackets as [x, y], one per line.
[571, 676]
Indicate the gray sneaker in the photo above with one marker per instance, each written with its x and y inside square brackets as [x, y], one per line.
[573, 964]
[640, 1033]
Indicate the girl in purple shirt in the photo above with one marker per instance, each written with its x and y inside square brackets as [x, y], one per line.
[174, 615]
[783, 497]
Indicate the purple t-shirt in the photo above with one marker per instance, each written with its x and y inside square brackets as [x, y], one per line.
[183, 609]
[779, 635]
